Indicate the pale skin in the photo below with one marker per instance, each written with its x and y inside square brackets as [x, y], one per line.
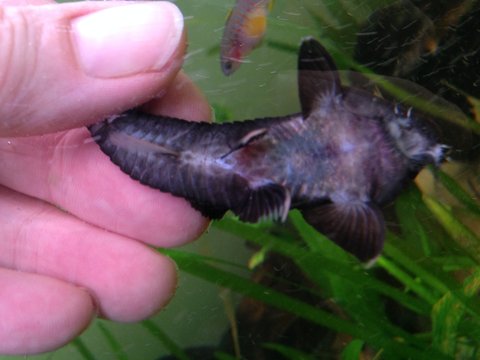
[75, 232]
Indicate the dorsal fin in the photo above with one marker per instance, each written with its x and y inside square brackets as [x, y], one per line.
[317, 74]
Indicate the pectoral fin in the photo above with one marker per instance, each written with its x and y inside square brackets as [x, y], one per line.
[317, 74]
[357, 227]
[247, 139]
[270, 201]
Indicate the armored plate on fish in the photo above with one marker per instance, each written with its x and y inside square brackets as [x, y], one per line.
[346, 154]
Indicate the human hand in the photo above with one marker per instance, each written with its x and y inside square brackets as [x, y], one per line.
[75, 230]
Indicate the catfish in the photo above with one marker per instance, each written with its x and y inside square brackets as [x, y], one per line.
[344, 156]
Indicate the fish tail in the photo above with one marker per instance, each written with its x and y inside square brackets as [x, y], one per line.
[169, 154]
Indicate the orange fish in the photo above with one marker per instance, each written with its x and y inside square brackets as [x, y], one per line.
[244, 30]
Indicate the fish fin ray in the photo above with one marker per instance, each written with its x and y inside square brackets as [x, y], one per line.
[271, 201]
[356, 227]
[317, 74]
[251, 136]
[246, 140]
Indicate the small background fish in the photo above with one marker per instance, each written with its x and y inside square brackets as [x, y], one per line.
[244, 30]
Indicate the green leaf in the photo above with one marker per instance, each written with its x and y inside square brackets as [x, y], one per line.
[169, 344]
[116, 347]
[447, 315]
[353, 350]
[458, 192]
[83, 349]
[407, 280]
[341, 265]
[394, 341]
[410, 210]
[462, 235]
[426, 275]
[258, 257]
[221, 113]
[195, 265]
[413, 266]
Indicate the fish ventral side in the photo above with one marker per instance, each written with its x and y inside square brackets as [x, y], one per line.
[346, 154]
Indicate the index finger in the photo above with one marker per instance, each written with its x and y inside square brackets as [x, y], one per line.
[69, 170]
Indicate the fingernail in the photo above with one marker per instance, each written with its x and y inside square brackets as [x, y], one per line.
[128, 39]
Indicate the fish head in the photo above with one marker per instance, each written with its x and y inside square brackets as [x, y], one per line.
[231, 59]
[414, 136]
[412, 133]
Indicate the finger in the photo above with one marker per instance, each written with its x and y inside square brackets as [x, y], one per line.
[25, 2]
[182, 100]
[39, 313]
[127, 280]
[66, 171]
[63, 66]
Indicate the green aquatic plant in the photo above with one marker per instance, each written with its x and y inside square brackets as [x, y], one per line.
[429, 272]
[444, 297]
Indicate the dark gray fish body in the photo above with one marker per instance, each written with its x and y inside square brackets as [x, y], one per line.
[347, 153]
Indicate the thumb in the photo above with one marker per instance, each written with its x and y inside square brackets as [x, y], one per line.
[67, 65]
